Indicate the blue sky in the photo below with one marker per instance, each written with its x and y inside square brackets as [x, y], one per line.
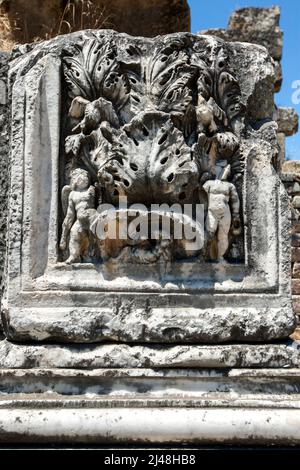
[215, 14]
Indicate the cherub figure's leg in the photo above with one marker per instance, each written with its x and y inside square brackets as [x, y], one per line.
[77, 243]
[86, 246]
[223, 231]
[211, 224]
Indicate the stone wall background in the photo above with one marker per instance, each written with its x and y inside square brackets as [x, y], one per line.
[291, 180]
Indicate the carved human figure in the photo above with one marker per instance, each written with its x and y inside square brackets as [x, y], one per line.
[78, 201]
[223, 211]
[92, 114]
[206, 112]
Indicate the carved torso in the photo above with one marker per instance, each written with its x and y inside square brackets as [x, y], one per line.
[219, 195]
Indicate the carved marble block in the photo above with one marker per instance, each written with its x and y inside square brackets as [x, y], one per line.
[144, 202]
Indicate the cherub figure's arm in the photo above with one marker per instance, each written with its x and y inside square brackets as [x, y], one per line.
[234, 200]
[67, 223]
[92, 195]
[235, 207]
[206, 187]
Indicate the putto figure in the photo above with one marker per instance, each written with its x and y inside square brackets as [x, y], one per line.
[223, 211]
[78, 201]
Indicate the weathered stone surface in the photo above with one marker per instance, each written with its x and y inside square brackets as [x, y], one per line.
[296, 302]
[296, 240]
[296, 286]
[146, 405]
[288, 179]
[294, 215]
[142, 392]
[295, 254]
[296, 202]
[295, 229]
[296, 188]
[291, 167]
[287, 120]
[281, 142]
[296, 334]
[3, 92]
[255, 25]
[278, 76]
[24, 356]
[135, 386]
[258, 26]
[161, 325]
[144, 426]
[296, 267]
[256, 72]
[160, 302]
[4, 163]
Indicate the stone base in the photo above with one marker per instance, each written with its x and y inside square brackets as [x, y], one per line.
[139, 406]
[95, 356]
[134, 320]
[132, 394]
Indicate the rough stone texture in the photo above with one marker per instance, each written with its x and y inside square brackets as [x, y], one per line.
[35, 19]
[291, 178]
[25, 356]
[257, 26]
[158, 325]
[281, 143]
[290, 170]
[296, 267]
[295, 254]
[296, 286]
[85, 302]
[163, 385]
[106, 393]
[4, 162]
[287, 120]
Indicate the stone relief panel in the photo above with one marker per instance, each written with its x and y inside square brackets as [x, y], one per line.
[125, 151]
[151, 124]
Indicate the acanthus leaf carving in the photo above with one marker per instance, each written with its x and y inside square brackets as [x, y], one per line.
[158, 126]
[149, 161]
[94, 72]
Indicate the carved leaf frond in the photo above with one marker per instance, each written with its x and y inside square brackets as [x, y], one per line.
[95, 72]
[77, 78]
[151, 162]
[176, 96]
[161, 80]
[205, 81]
[229, 95]
[227, 90]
